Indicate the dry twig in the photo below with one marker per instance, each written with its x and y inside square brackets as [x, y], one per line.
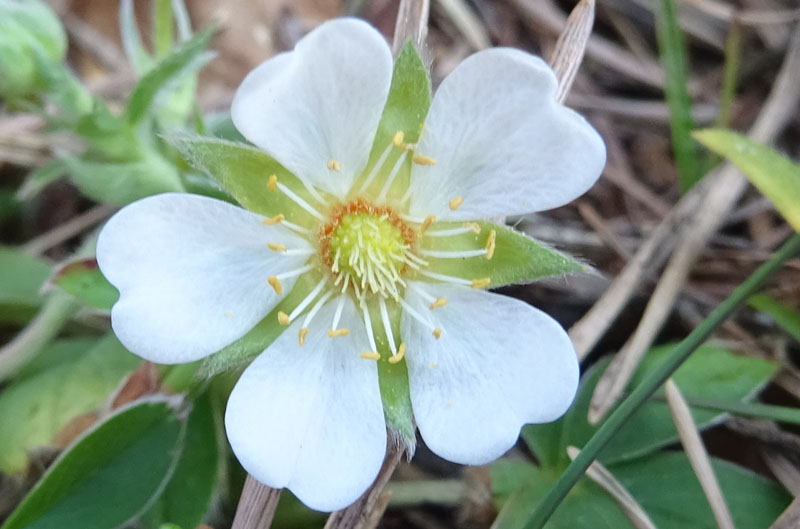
[256, 506]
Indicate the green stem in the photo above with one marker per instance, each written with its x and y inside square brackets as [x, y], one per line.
[639, 396]
[748, 409]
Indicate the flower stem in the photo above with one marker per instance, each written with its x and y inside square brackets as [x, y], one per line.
[649, 385]
[256, 506]
[360, 515]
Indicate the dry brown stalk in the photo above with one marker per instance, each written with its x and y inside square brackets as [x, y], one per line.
[256, 506]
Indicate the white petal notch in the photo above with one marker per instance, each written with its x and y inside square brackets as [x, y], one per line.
[501, 143]
[497, 365]
[316, 109]
[192, 274]
[310, 418]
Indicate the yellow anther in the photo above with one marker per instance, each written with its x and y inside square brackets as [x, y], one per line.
[440, 302]
[370, 356]
[334, 165]
[430, 219]
[397, 141]
[274, 220]
[276, 247]
[481, 283]
[401, 352]
[275, 283]
[449, 404]
[432, 365]
[423, 160]
[476, 228]
[272, 183]
[455, 203]
[301, 335]
[338, 332]
[490, 243]
[228, 314]
[437, 333]
[283, 318]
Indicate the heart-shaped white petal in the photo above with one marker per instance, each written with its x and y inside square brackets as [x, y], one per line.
[498, 365]
[310, 418]
[192, 274]
[502, 143]
[320, 103]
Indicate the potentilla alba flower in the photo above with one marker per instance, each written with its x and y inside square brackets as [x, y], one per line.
[354, 250]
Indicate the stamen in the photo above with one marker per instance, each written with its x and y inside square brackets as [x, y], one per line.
[313, 312]
[423, 160]
[430, 219]
[368, 326]
[300, 202]
[338, 332]
[274, 220]
[439, 302]
[275, 283]
[334, 165]
[490, 244]
[338, 314]
[293, 273]
[301, 336]
[401, 352]
[276, 246]
[446, 279]
[294, 227]
[300, 251]
[416, 315]
[283, 319]
[387, 326]
[307, 300]
[395, 169]
[397, 140]
[437, 333]
[480, 283]
[427, 297]
[375, 168]
[432, 365]
[473, 227]
[370, 356]
[455, 203]
[455, 254]
[272, 182]
[228, 314]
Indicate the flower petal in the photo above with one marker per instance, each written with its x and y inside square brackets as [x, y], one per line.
[310, 418]
[192, 274]
[502, 143]
[498, 365]
[320, 102]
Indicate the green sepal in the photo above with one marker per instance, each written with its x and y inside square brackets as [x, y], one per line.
[517, 258]
[393, 378]
[406, 108]
[244, 172]
[252, 344]
[82, 278]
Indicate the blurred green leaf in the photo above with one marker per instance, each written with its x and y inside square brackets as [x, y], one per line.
[108, 475]
[41, 178]
[187, 496]
[21, 279]
[83, 279]
[785, 317]
[676, 70]
[180, 60]
[775, 175]
[517, 258]
[664, 485]
[131, 38]
[70, 378]
[710, 372]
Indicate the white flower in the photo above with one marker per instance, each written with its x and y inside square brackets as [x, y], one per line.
[195, 274]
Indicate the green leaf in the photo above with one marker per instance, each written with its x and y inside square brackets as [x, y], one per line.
[70, 378]
[21, 279]
[710, 372]
[187, 496]
[122, 183]
[673, 59]
[775, 175]
[785, 317]
[107, 476]
[83, 279]
[244, 171]
[172, 66]
[518, 487]
[517, 258]
[405, 111]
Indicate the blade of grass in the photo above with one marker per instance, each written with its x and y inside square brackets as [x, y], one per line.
[162, 22]
[629, 406]
[673, 60]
